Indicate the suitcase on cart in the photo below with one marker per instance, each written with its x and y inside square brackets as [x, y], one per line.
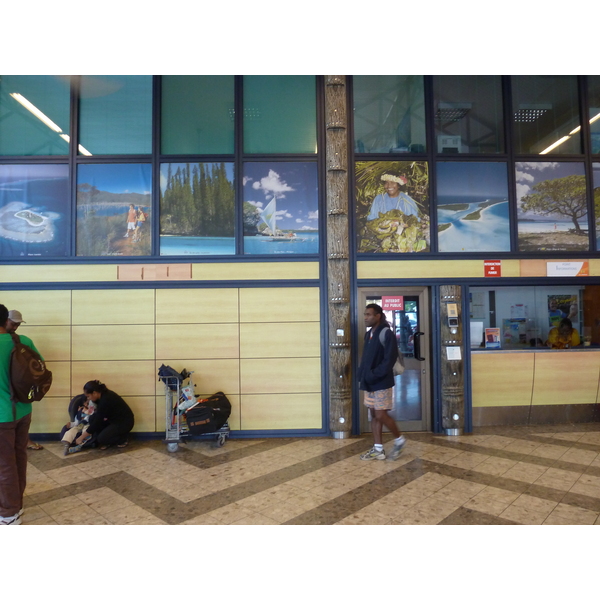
[209, 415]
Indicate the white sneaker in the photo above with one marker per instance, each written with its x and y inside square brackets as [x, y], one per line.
[397, 449]
[14, 520]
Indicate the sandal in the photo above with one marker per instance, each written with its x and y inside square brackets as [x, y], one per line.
[103, 447]
[34, 446]
[123, 445]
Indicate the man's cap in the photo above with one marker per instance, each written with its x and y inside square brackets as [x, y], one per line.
[15, 316]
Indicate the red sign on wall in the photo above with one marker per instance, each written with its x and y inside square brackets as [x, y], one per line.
[392, 302]
[492, 268]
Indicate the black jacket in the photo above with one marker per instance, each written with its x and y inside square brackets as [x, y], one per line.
[112, 408]
[377, 363]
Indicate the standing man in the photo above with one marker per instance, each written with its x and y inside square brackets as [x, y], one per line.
[376, 378]
[131, 220]
[14, 433]
[15, 318]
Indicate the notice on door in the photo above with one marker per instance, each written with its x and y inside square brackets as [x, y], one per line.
[392, 302]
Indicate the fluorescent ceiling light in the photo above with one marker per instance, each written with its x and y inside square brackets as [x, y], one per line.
[37, 112]
[557, 143]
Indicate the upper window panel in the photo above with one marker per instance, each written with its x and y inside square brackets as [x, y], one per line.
[546, 114]
[115, 114]
[594, 116]
[34, 115]
[280, 114]
[389, 113]
[468, 114]
[197, 114]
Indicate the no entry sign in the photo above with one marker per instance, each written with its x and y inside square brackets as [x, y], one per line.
[492, 268]
[392, 302]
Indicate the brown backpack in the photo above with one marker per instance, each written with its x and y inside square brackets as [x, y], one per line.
[30, 380]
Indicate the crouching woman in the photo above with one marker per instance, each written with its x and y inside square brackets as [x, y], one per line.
[112, 419]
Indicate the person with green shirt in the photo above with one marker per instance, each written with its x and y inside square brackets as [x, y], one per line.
[14, 433]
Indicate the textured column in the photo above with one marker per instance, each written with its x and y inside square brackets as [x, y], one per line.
[338, 268]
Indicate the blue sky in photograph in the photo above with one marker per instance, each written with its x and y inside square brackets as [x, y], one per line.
[117, 179]
[293, 184]
[477, 180]
[10, 174]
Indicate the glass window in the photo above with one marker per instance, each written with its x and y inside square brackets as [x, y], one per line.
[34, 210]
[596, 185]
[280, 114]
[392, 203]
[546, 114]
[197, 209]
[472, 207]
[468, 114]
[281, 208]
[115, 114]
[519, 317]
[594, 116]
[551, 206]
[114, 210]
[34, 115]
[389, 113]
[197, 114]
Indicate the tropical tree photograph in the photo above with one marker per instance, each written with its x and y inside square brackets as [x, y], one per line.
[392, 206]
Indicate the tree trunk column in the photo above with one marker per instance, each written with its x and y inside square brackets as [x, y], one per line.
[338, 268]
[452, 361]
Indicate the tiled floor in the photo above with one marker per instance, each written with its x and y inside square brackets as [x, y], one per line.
[496, 476]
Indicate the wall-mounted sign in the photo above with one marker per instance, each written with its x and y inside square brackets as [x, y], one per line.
[572, 268]
[392, 302]
[492, 268]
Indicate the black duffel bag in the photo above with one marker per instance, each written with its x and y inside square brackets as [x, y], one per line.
[209, 415]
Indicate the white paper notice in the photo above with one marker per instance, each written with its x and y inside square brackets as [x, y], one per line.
[453, 353]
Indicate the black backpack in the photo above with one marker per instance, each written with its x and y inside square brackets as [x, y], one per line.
[30, 380]
[209, 415]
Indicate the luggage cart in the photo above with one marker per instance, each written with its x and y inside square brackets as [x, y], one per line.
[176, 430]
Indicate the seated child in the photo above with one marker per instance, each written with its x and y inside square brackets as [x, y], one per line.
[80, 423]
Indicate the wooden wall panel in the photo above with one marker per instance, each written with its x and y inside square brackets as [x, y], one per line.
[113, 307]
[277, 340]
[40, 307]
[125, 377]
[255, 271]
[113, 342]
[209, 375]
[281, 411]
[61, 378]
[184, 342]
[54, 273]
[144, 411]
[502, 379]
[50, 415]
[280, 375]
[279, 305]
[566, 377]
[197, 306]
[54, 343]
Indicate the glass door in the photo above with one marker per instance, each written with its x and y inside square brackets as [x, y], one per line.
[407, 311]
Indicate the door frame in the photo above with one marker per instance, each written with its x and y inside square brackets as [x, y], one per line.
[425, 325]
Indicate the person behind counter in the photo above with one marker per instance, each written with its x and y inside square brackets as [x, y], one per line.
[112, 420]
[563, 336]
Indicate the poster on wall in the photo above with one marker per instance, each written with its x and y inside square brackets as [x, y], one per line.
[492, 337]
[392, 204]
[34, 208]
[561, 306]
[551, 206]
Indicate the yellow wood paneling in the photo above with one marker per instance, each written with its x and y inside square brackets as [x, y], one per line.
[113, 307]
[280, 375]
[235, 417]
[255, 271]
[144, 411]
[502, 379]
[209, 375]
[160, 416]
[183, 342]
[50, 415]
[61, 378]
[594, 267]
[281, 411]
[279, 305]
[54, 343]
[126, 377]
[113, 342]
[278, 340]
[404, 269]
[566, 377]
[197, 306]
[40, 307]
[56, 273]
[532, 268]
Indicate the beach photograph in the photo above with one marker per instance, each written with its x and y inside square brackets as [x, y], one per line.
[392, 206]
[551, 206]
[472, 207]
[197, 209]
[34, 210]
[596, 184]
[114, 209]
[281, 208]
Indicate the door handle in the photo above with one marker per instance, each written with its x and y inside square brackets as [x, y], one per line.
[417, 343]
